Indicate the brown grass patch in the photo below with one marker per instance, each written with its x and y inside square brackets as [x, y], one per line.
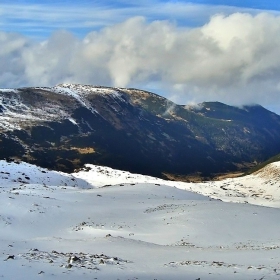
[87, 150]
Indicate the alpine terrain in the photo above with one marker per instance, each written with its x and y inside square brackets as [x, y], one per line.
[68, 125]
[102, 223]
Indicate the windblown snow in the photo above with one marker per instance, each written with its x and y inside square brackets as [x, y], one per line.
[15, 113]
[101, 223]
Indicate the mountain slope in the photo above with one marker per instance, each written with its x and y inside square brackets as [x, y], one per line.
[68, 125]
[263, 164]
[141, 228]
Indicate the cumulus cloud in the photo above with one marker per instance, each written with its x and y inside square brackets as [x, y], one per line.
[233, 59]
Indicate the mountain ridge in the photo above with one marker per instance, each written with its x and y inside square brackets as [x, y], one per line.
[68, 125]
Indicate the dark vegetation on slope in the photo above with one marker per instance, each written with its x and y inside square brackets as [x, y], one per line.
[140, 132]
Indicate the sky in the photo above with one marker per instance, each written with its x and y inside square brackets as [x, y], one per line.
[189, 52]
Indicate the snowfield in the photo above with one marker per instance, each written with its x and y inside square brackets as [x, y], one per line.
[101, 223]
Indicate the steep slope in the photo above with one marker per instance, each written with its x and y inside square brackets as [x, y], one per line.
[68, 125]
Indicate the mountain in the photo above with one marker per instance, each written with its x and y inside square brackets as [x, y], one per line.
[65, 126]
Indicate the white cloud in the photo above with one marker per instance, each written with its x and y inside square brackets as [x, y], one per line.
[233, 59]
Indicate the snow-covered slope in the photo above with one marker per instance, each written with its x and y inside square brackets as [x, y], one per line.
[139, 227]
[100, 176]
[260, 188]
[14, 173]
[15, 110]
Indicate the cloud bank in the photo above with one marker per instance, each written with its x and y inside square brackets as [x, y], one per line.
[233, 59]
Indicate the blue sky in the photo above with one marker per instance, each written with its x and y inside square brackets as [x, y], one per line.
[38, 19]
[189, 51]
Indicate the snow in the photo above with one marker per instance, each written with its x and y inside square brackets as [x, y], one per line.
[8, 90]
[261, 188]
[15, 173]
[100, 176]
[72, 121]
[69, 226]
[71, 91]
[79, 92]
[15, 114]
[77, 89]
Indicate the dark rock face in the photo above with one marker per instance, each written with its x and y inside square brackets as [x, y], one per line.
[67, 126]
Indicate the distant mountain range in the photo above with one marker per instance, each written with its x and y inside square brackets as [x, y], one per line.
[66, 126]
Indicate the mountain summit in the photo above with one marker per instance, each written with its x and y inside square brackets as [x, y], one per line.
[65, 126]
